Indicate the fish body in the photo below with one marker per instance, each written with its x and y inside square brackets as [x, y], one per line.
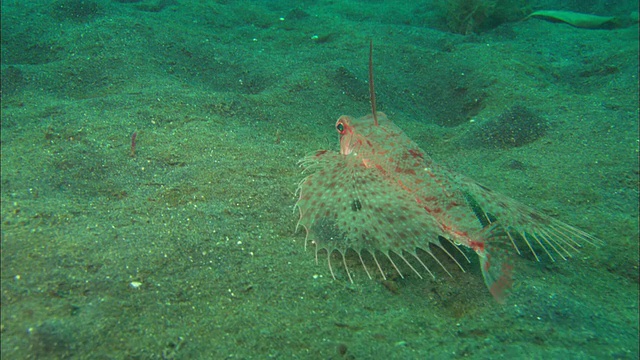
[382, 194]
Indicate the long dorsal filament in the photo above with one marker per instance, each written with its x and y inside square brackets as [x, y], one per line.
[372, 91]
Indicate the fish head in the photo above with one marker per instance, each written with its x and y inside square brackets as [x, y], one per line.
[350, 140]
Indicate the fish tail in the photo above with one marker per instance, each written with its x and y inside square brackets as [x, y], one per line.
[496, 264]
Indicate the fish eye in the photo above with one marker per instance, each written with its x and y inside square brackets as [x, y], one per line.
[340, 127]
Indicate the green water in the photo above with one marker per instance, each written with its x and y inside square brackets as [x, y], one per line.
[188, 249]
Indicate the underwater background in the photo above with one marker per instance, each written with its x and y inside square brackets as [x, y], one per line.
[150, 155]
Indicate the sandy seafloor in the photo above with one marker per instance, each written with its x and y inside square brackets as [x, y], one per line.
[188, 249]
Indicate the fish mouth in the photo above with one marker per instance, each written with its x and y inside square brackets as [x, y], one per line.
[348, 143]
[345, 147]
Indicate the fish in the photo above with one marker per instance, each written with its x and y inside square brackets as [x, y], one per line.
[382, 196]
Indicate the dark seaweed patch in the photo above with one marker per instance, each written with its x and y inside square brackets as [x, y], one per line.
[349, 84]
[51, 338]
[80, 11]
[515, 127]
[12, 81]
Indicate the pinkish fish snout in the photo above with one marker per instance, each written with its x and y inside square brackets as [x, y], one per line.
[347, 136]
